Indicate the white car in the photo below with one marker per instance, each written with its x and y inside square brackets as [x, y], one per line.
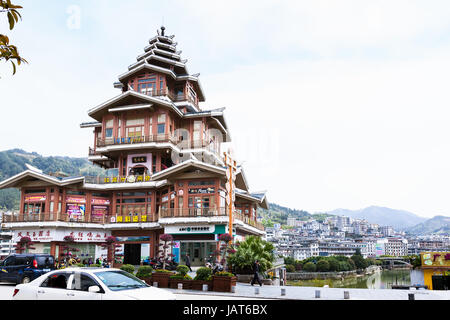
[89, 284]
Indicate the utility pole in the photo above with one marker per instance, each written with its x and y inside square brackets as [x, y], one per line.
[231, 196]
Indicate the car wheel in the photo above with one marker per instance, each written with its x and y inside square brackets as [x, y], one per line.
[26, 280]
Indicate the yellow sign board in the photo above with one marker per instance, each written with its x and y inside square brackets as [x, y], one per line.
[435, 259]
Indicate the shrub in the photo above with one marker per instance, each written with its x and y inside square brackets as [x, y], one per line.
[309, 267]
[163, 271]
[323, 266]
[334, 264]
[203, 274]
[359, 261]
[344, 266]
[128, 268]
[144, 272]
[95, 265]
[181, 277]
[182, 269]
[352, 264]
[290, 268]
[224, 274]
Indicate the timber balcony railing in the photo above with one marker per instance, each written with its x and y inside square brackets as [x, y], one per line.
[181, 144]
[130, 217]
[244, 218]
[92, 218]
[135, 140]
[192, 212]
[207, 212]
[175, 97]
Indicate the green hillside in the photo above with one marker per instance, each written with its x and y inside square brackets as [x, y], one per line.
[13, 162]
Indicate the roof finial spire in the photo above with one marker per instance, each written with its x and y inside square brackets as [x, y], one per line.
[162, 30]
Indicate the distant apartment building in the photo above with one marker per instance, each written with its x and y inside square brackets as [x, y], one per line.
[305, 251]
[343, 221]
[292, 222]
[396, 247]
[7, 246]
[416, 246]
[387, 231]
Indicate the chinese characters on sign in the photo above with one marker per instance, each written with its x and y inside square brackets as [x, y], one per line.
[128, 179]
[48, 235]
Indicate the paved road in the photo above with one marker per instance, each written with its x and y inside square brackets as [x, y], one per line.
[247, 292]
[6, 292]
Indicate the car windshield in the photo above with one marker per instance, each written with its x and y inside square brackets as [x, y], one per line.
[120, 280]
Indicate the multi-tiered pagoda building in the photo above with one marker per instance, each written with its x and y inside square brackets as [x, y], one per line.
[165, 172]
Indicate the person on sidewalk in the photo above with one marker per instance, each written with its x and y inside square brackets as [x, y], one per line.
[188, 262]
[256, 268]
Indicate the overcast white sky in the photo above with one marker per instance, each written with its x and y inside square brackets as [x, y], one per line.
[331, 104]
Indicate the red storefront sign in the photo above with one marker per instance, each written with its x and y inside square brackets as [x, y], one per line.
[35, 198]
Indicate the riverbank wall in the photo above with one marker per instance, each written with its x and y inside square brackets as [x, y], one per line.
[331, 275]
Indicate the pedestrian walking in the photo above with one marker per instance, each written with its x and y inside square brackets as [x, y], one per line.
[188, 261]
[256, 268]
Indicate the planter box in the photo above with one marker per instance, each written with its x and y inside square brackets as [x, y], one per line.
[223, 283]
[162, 278]
[147, 280]
[198, 285]
[173, 283]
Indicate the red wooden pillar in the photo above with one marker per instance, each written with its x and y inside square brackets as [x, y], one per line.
[63, 204]
[88, 207]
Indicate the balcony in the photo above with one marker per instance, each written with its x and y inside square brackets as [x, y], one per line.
[136, 140]
[207, 212]
[163, 138]
[64, 217]
[175, 97]
[192, 212]
[127, 218]
[53, 217]
[244, 218]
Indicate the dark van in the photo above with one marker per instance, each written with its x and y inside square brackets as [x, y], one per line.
[23, 268]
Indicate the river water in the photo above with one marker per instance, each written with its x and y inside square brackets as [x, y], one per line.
[379, 280]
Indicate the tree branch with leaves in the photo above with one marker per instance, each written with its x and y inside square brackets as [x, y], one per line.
[8, 51]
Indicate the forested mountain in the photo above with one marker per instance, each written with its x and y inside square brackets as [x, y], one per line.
[435, 225]
[398, 219]
[14, 161]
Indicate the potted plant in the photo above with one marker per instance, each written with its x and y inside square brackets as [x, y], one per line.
[24, 245]
[113, 248]
[128, 268]
[223, 281]
[181, 277]
[203, 276]
[145, 273]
